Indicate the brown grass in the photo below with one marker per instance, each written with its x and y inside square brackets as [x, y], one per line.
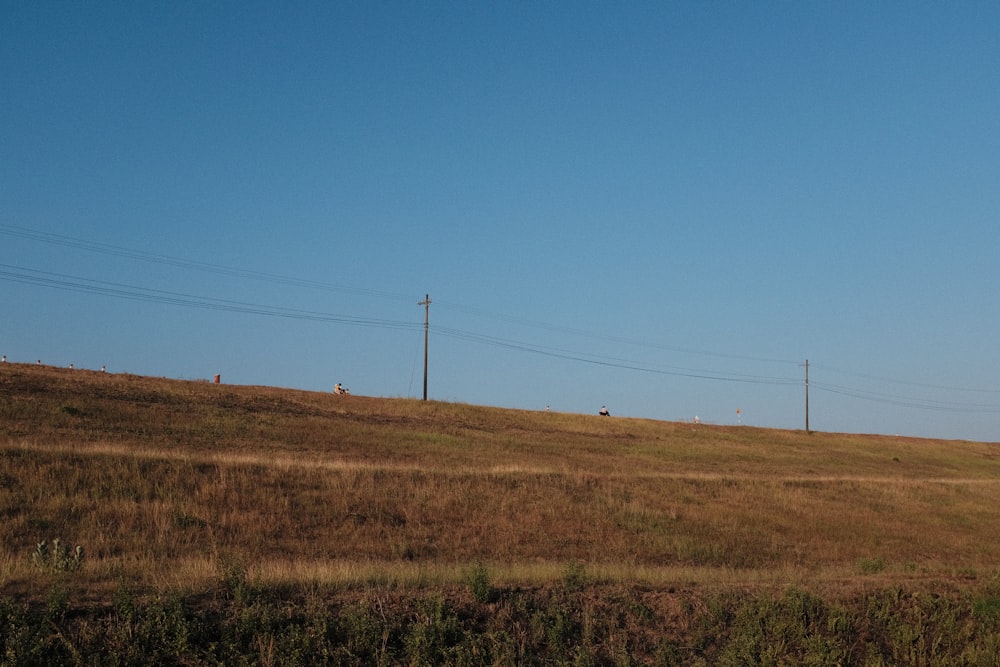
[165, 482]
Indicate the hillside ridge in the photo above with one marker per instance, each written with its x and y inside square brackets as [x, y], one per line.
[168, 479]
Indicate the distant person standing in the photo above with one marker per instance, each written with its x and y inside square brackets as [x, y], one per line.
[4, 359]
[604, 411]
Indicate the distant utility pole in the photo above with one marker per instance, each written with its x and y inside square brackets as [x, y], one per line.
[807, 396]
[426, 303]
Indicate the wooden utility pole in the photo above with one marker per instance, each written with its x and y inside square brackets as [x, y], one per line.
[807, 396]
[426, 303]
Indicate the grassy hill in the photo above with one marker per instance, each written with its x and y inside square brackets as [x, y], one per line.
[170, 487]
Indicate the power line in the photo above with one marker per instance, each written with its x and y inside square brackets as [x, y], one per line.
[905, 382]
[613, 339]
[908, 402]
[129, 253]
[78, 284]
[119, 290]
[607, 361]
[118, 251]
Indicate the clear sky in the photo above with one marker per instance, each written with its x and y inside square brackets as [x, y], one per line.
[665, 208]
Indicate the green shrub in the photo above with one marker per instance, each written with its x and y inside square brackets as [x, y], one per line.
[797, 628]
[57, 557]
[871, 565]
[478, 579]
[574, 577]
[434, 635]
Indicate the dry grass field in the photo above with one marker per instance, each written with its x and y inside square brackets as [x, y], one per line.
[166, 484]
[163, 480]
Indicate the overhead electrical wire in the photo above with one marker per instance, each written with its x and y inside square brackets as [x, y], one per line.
[129, 253]
[79, 284]
[611, 339]
[118, 251]
[907, 402]
[925, 385]
[608, 361]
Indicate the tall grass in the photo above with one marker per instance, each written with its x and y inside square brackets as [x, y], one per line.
[164, 481]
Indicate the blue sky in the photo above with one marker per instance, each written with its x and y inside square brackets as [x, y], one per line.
[665, 208]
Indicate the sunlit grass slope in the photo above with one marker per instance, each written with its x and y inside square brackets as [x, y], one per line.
[165, 481]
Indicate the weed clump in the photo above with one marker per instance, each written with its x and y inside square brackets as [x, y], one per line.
[57, 557]
[871, 565]
[478, 579]
[574, 577]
